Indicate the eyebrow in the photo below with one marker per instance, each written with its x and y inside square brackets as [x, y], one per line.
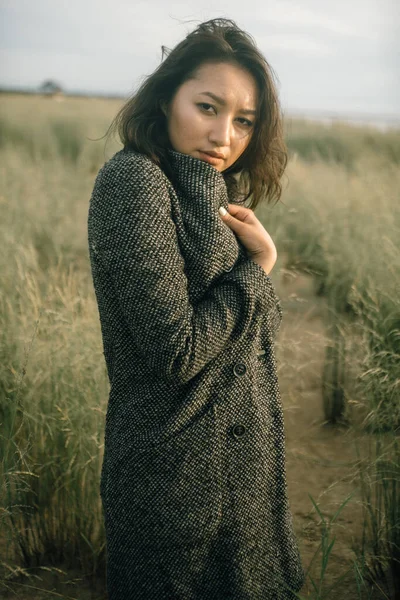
[221, 101]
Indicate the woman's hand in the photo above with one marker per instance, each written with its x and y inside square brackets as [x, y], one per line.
[251, 233]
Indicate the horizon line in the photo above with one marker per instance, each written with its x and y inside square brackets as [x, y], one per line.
[289, 111]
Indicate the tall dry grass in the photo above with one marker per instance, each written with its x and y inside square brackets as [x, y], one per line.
[340, 222]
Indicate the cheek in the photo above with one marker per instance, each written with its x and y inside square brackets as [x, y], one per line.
[241, 145]
[185, 122]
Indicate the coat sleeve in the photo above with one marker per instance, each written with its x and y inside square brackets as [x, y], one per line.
[139, 249]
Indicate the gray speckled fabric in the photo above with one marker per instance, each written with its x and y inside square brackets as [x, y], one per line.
[193, 481]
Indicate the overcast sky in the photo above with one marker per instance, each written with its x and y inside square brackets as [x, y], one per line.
[340, 56]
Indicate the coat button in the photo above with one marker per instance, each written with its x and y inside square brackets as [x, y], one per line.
[239, 369]
[238, 430]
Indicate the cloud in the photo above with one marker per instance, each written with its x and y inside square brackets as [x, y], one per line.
[306, 45]
[325, 54]
[291, 13]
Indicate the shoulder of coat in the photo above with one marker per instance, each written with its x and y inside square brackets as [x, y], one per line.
[139, 167]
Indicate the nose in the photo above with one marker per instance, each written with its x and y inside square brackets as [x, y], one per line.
[220, 134]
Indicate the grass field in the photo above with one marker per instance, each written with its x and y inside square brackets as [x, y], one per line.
[337, 233]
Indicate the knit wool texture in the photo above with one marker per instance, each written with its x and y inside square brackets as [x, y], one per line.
[193, 481]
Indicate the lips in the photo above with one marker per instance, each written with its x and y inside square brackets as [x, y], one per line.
[212, 153]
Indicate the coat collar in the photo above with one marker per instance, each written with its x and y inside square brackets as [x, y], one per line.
[195, 178]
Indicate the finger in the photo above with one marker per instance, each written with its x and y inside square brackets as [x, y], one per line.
[240, 212]
[238, 226]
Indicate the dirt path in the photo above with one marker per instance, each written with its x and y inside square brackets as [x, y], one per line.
[320, 459]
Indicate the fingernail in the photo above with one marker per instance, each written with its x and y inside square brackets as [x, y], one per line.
[222, 211]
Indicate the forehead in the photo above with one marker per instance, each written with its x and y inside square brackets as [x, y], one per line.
[230, 82]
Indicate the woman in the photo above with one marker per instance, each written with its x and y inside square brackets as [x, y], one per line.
[193, 481]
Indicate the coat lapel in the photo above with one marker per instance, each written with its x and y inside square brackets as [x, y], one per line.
[209, 251]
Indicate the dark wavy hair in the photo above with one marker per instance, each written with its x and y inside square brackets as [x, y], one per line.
[142, 125]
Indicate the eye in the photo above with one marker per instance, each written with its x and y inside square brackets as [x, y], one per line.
[245, 122]
[206, 107]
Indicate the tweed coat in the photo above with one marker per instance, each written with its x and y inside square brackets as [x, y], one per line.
[193, 480]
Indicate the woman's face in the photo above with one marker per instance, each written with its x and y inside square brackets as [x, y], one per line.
[213, 112]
